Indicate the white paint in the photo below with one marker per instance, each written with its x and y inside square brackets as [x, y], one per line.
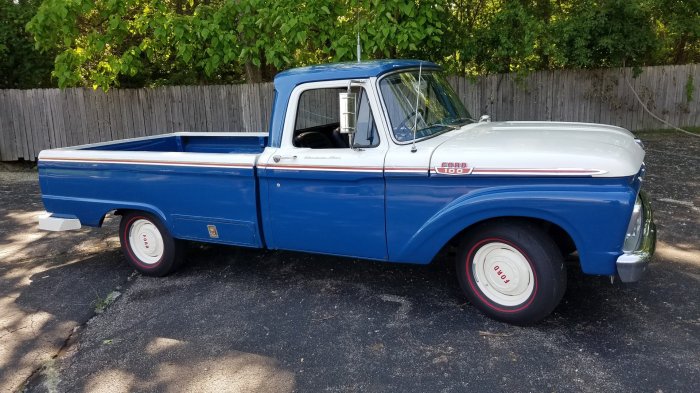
[187, 159]
[503, 274]
[368, 160]
[56, 224]
[212, 160]
[146, 241]
[542, 148]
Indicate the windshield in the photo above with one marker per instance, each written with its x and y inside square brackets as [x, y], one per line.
[438, 110]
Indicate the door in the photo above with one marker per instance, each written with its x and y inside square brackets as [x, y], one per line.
[325, 191]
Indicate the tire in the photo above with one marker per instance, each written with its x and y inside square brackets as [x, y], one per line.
[512, 271]
[147, 244]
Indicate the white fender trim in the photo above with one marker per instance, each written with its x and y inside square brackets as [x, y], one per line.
[56, 224]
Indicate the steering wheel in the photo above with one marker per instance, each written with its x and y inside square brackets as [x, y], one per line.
[402, 128]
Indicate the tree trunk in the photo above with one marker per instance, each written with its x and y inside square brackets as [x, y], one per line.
[253, 74]
[264, 73]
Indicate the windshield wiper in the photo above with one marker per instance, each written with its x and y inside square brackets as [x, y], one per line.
[450, 126]
[463, 120]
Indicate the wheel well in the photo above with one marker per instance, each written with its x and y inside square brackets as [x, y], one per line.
[115, 212]
[562, 238]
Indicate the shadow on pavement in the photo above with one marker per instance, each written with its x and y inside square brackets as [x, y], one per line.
[278, 321]
[40, 315]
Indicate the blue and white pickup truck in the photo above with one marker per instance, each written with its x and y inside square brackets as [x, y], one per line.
[377, 160]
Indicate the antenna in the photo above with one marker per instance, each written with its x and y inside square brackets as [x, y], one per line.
[357, 26]
[415, 111]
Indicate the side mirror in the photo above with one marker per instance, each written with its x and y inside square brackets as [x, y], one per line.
[348, 113]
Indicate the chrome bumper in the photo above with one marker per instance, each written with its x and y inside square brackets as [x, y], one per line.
[632, 265]
[48, 222]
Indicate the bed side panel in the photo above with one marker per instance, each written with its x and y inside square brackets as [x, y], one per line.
[205, 197]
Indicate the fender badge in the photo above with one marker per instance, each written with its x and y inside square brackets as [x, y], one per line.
[213, 233]
[453, 168]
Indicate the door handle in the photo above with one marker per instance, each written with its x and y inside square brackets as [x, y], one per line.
[278, 158]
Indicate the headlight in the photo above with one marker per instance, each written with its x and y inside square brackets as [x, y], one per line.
[634, 229]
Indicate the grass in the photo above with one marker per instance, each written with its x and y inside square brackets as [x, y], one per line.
[102, 304]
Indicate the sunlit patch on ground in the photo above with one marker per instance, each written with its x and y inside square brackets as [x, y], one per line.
[678, 253]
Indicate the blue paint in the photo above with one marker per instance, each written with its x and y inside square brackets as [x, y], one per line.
[424, 214]
[393, 217]
[338, 213]
[185, 198]
[342, 213]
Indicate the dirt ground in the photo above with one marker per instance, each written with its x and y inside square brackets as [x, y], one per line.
[74, 317]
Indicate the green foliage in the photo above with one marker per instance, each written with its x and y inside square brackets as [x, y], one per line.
[677, 24]
[508, 39]
[104, 43]
[611, 33]
[21, 66]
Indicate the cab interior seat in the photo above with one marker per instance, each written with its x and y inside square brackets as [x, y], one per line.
[325, 136]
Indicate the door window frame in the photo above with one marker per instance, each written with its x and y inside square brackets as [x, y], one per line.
[367, 84]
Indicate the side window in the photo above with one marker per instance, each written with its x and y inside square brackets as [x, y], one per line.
[366, 134]
[317, 123]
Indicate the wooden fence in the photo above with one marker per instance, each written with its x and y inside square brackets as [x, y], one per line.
[32, 120]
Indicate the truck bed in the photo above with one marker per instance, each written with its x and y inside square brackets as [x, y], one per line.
[202, 185]
[245, 143]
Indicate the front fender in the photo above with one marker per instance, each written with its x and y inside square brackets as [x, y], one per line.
[595, 218]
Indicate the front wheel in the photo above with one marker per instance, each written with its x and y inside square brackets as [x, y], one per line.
[147, 244]
[511, 271]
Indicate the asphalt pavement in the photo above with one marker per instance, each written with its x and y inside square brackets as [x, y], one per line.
[74, 317]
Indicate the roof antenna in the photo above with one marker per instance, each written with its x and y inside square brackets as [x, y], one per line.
[415, 111]
[357, 26]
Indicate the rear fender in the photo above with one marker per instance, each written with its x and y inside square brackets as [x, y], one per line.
[91, 212]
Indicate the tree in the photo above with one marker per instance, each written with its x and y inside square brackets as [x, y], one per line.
[678, 30]
[611, 33]
[104, 43]
[136, 42]
[21, 65]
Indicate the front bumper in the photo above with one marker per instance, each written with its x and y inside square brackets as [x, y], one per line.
[632, 265]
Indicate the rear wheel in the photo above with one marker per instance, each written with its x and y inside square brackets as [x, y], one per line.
[512, 271]
[147, 244]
